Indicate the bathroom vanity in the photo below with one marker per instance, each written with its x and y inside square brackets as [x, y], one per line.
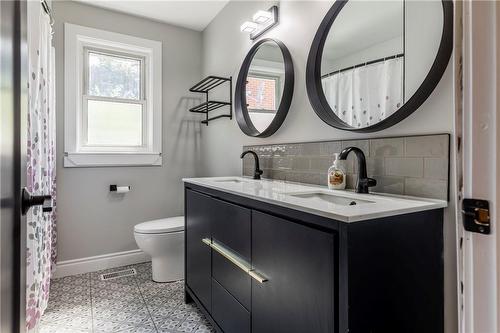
[271, 256]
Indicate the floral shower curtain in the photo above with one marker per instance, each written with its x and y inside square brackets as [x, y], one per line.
[41, 177]
[366, 95]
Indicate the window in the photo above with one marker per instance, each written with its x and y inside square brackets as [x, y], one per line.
[112, 99]
[262, 93]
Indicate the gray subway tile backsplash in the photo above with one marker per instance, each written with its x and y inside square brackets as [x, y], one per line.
[404, 166]
[429, 188]
[321, 163]
[388, 184]
[427, 146]
[413, 165]
[301, 163]
[375, 166]
[387, 147]
[436, 168]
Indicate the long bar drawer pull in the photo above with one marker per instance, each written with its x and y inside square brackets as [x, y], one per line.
[235, 259]
[257, 276]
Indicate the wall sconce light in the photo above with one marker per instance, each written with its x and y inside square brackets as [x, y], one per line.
[263, 21]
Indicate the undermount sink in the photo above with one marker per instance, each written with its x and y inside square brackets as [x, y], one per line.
[231, 180]
[330, 198]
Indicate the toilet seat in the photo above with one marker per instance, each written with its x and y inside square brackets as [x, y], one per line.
[161, 226]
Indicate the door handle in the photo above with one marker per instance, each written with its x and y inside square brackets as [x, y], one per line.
[28, 200]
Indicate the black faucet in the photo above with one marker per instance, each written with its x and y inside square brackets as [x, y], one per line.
[258, 171]
[363, 181]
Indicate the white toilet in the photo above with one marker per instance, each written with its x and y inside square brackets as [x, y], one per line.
[163, 240]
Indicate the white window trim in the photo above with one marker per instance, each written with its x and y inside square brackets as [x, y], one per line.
[77, 154]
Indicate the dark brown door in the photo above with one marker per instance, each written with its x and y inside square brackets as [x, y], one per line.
[13, 123]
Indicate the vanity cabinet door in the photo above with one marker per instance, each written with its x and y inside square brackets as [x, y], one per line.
[299, 263]
[198, 254]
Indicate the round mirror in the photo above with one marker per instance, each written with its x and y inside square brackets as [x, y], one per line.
[373, 63]
[264, 88]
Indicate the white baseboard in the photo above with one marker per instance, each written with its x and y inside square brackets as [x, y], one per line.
[105, 261]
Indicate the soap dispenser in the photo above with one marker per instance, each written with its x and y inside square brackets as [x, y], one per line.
[336, 175]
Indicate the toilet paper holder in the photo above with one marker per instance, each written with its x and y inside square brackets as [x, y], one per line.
[120, 189]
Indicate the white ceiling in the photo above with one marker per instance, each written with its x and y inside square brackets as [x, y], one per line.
[189, 14]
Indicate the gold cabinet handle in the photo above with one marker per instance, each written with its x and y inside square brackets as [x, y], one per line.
[235, 259]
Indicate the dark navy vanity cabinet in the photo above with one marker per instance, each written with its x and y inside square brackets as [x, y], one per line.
[252, 266]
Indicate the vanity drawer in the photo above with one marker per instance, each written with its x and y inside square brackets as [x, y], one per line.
[229, 314]
[231, 226]
[234, 280]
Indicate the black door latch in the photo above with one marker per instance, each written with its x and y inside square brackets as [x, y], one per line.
[476, 215]
[28, 200]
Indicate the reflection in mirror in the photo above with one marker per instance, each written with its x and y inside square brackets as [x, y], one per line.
[264, 88]
[264, 85]
[362, 62]
[376, 55]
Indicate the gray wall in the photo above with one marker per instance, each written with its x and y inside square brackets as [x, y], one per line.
[224, 47]
[90, 220]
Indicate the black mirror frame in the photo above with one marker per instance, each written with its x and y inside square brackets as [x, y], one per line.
[240, 106]
[313, 73]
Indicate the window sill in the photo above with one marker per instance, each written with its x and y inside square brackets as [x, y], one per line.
[88, 160]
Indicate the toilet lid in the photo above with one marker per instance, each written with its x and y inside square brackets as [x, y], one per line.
[170, 224]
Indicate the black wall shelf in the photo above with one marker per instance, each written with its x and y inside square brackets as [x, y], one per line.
[204, 86]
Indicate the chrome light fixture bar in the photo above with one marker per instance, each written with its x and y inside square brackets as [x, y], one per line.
[263, 21]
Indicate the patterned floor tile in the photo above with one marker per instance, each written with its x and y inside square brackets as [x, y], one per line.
[100, 305]
[51, 328]
[69, 321]
[85, 303]
[136, 316]
[175, 326]
[51, 316]
[70, 309]
[144, 271]
[59, 288]
[106, 326]
[168, 324]
[165, 301]
[118, 294]
[80, 279]
[72, 298]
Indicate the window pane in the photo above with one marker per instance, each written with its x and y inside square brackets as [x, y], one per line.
[114, 123]
[261, 93]
[114, 76]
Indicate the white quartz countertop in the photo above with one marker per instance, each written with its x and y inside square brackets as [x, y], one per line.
[319, 200]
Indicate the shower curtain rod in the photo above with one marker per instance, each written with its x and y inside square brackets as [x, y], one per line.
[46, 9]
[363, 64]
